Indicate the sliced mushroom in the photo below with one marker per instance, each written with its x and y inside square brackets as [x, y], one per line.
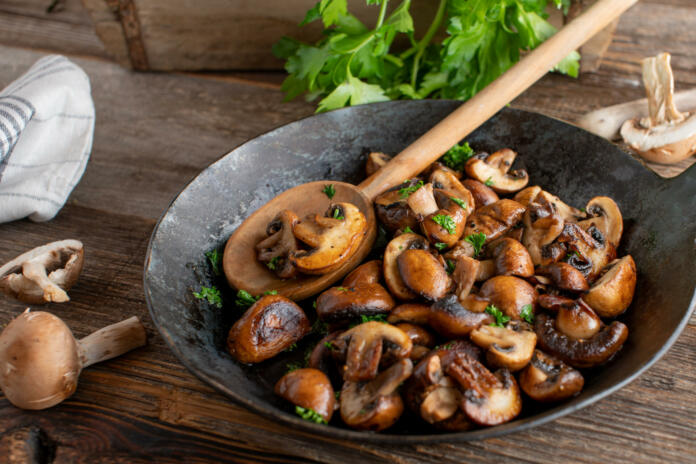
[43, 274]
[565, 277]
[511, 258]
[415, 313]
[392, 276]
[510, 294]
[667, 135]
[268, 327]
[494, 170]
[422, 201]
[393, 211]
[511, 346]
[542, 225]
[321, 357]
[445, 225]
[486, 270]
[333, 238]
[494, 219]
[465, 273]
[483, 194]
[422, 339]
[275, 250]
[536, 194]
[488, 399]
[423, 274]
[375, 161]
[475, 303]
[341, 304]
[577, 320]
[309, 389]
[548, 379]
[589, 252]
[446, 181]
[452, 320]
[369, 272]
[583, 352]
[375, 405]
[363, 345]
[606, 216]
[613, 292]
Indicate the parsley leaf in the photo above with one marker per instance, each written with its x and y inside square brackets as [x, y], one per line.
[440, 246]
[450, 266]
[211, 295]
[291, 348]
[309, 415]
[406, 191]
[374, 317]
[446, 222]
[457, 156]
[214, 258]
[488, 182]
[272, 263]
[329, 190]
[337, 214]
[245, 299]
[329, 345]
[461, 203]
[527, 313]
[477, 240]
[408, 230]
[500, 318]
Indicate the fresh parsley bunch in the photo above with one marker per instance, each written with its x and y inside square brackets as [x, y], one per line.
[353, 64]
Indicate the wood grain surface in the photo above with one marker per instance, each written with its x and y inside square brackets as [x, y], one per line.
[154, 132]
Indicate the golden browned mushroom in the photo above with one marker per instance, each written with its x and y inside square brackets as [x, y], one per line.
[466, 271]
[510, 294]
[310, 389]
[589, 252]
[392, 277]
[494, 219]
[612, 293]
[536, 194]
[423, 274]
[548, 379]
[369, 272]
[606, 216]
[422, 339]
[446, 181]
[375, 161]
[333, 238]
[268, 327]
[393, 211]
[40, 360]
[483, 194]
[341, 304]
[415, 313]
[43, 274]
[445, 226]
[375, 405]
[511, 258]
[542, 225]
[275, 250]
[511, 346]
[564, 277]
[422, 201]
[667, 136]
[452, 320]
[577, 320]
[494, 170]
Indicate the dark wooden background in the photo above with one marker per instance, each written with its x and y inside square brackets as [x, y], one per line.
[154, 132]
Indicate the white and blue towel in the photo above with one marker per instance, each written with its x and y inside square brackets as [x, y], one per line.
[46, 129]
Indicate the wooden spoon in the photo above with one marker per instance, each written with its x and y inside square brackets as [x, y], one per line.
[244, 271]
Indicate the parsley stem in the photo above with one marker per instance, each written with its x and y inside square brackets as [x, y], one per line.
[382, 13]
[425, 41]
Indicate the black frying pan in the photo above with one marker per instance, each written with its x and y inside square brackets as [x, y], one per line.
[659, 231]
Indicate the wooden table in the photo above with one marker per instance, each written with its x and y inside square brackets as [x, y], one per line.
[154, 132]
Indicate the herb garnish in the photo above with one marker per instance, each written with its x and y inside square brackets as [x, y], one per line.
[272, 263]
[457, 156]
[408, 230]
[374, 317]
[329, 345]
[446, 222]
[291, 348]
[440, 246]
[214, 258]
[309, 415]
[406, 191]
[211, 295]
[461, 203]
[527, 313]
[477, 240]
[292, 366]
[489, 182]
[500, 318]
[337, 214]
[246, 299]
[329, 191]
[450, 266]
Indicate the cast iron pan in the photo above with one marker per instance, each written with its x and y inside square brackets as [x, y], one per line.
[660, 232]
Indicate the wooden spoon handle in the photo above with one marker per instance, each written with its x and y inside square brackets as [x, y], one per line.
[451, 130]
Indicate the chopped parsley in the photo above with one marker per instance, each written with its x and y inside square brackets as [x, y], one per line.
[272, 263]
[406, 191]
[320, 327]
[342, 289]
[457, 156]
[477, 240]
[374, 317]
[337, 214]
[500, 318]
[446, 222]
[329, 191]
[246, 299]
[527, 314]
[291, 348]
[489, 182]
[329, 345]
[309, 415]
[292, 366]
[211, 295]
[440, 245]
[461, 203]
[450, 266]
[583, 210]
[214, 258]
[573, 253]
[408, 230]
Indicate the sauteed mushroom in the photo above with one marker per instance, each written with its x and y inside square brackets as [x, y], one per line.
[375, 161]
[509, 294]
[422, 201]
[494, 219]
[392, 276]
[423, 274]
[309, 389]
[511, 346]
[415, 313]
[275, 250]
[511, 258]
[565, 277]
[483, 194]
[341, 304]
[577, 320]
[548, 379]
[604, 215]
[367, 273]
[612, 293]
[494, 171]
[452, 320]
[393, 211]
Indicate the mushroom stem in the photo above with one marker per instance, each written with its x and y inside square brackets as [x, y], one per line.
[112, 341]
[36, 272]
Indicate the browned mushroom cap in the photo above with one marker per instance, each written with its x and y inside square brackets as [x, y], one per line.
[548, 379]
[494, 219]
[488, 399]
[535, 194]
[445, 225]
[446, 181]
[423, 274]
[553, 302]
[466, 271]
[310, 389]
[321, 356]
[341, 304]
[483, 194]
[375, 405]
[542, 225]
[274, 251]
[565, 277]
[613, 292]
[375, 161]
[606, 216]
[511, 346]
[268, 327]
[367, 273]
[43, 274]
[493, 171]
[452, 320]
[392, 210]
[584, 352]
[422, 339]
[589, 252]
[333, 238]
[574, 318]
[511, 258]
[363, 346]
[475, 303]
[392, 277]
[509, 294]
[415, 313]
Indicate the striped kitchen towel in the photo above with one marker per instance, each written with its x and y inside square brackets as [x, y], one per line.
[46, 129]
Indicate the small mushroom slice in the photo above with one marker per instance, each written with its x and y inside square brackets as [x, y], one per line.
[536, 194]
[542, 225]
[452, 320]
[494, 170]
[465, 273]
[274, 251]
[445, 225]
[309, 389]
[375, 405]
[613, 292]
[363, 345]
[392, 277]
[483, 194]
[43, 274]
[580, 352]
[422, 201]
[494, 219]
[510, 294]
[369, 272]
[375, 161]
[446, 181]
[606, 216]
[422, 339]
[415, 313]
[511, 258]
[333, 238]
[548, 379]
[341, 304]
[393, 211]
[423, 274]
[489, 398]
[511, 346]
[589, 252]
[268, 327]
[565, 277]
